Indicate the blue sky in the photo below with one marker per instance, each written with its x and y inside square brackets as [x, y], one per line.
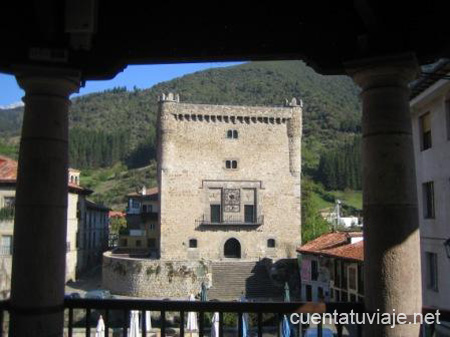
[139, 76]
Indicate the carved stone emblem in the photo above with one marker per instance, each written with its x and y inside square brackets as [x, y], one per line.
[232, 200]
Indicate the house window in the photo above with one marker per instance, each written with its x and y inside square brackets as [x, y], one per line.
[151, 243]
[232, 134]
[314, 270]
[352, 278]
[193, 243]
[432, 271]
[271, 243]
[428, 200]
[152, 226]
[135, 203]
[360, 279]
[337, 273]
[308, 293]
[10, 201]
[231, 164]
[6, 245]
[249, 213]
[215, 213]
[425, 131]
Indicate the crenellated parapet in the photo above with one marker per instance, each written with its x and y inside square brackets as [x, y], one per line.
[170, 97]
[209, 113]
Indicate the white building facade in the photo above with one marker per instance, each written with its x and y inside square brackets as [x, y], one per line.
[430, 108]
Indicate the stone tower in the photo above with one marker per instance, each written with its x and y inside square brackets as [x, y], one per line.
[229, 180]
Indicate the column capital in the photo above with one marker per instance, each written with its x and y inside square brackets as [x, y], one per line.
[48, 80]
[391, 70]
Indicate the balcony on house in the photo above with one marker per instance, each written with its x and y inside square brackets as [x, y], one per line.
[230, 220]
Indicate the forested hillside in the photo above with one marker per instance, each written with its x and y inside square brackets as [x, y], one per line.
[119, 125]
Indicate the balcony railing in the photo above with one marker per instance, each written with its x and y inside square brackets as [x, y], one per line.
[6, 250]
[81, 317]
[230, 221]
[7, 213]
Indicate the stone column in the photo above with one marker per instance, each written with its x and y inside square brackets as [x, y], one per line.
[38, 272]
[391, 229]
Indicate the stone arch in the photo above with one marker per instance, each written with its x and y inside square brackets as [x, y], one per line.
[232, 249]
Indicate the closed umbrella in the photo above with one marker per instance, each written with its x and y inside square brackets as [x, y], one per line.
[215, 321]
[204, 293]
[100, 330]
[286, 330]
[244, 319]
[134, 324]
[192, 324]
[285, 327]
[148, 321]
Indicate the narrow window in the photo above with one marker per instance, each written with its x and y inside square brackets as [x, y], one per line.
[235, 134]
[230, 134]
[193, 243]
[6, 245]
[271, 243]
[432, 271]
[308, 293]
[428, 200]
[228, 164]
[314, 270]
[151, 243]
[249, 213]
[425, 131]
[215, 214]
[360, 279]
[234, 164]
[352, 278]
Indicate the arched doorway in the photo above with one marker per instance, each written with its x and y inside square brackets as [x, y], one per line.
[232, 249]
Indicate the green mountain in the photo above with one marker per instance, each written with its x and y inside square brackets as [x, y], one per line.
[120, 126]
[331, 113]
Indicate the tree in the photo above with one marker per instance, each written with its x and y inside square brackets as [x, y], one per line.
[313, 225]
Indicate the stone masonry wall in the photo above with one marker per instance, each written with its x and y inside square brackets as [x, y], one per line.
[154, 278]
[192, 149]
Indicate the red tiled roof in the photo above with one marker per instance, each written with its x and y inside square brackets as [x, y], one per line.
[116, 214]
[8, 169]
[336, 245]
[148, 192]
[8, 174]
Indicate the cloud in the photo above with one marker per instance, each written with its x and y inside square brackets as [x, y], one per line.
[12, 105]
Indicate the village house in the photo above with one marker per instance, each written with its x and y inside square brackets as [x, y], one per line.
[142, 232]
[87, 225]
[332, 268]
[430, 113]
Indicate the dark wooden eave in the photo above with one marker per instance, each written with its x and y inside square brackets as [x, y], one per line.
[324, 33]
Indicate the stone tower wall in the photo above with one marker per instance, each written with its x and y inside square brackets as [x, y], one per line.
[193, 148]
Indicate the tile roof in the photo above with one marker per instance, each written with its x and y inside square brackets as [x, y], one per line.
[149, 192]
[116, 214]
[8, 174]
[336, 245]
[8, 169]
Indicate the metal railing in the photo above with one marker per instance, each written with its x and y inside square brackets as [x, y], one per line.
[6, 250]
[230, 221]
[7, 213]
[263, 317]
